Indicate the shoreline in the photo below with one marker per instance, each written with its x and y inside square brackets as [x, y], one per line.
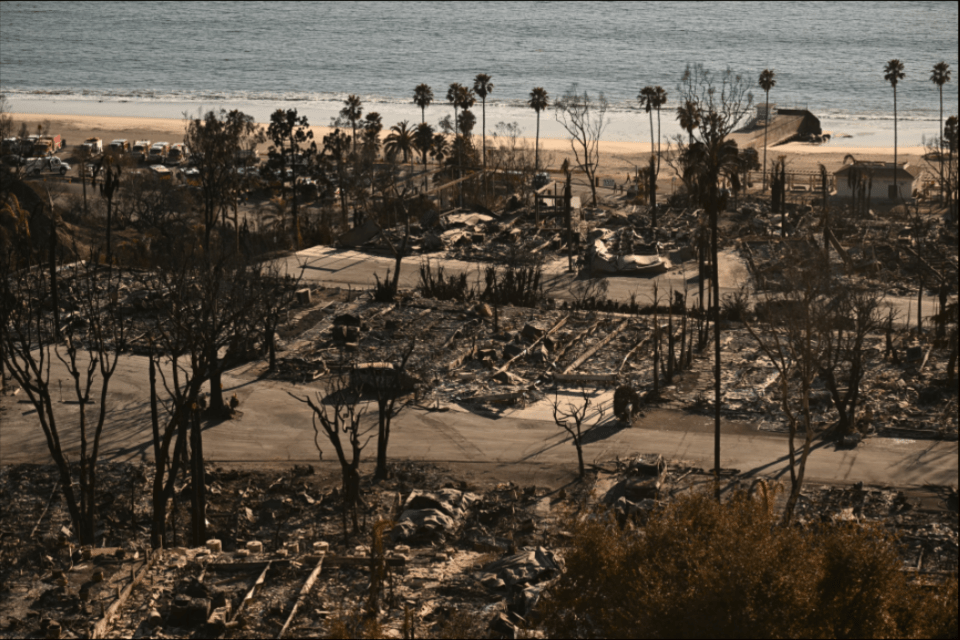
[616, 157]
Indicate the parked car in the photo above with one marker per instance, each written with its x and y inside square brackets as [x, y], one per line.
[190, 176]
[121, 145]
[158, 152]
[140, 151]
[10, 145]
[160, 171]
[93, 145]
[541, 180]
[178, 155]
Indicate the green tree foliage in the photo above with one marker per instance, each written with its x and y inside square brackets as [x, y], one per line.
[400, 140]
[294, 149]
[703, 569]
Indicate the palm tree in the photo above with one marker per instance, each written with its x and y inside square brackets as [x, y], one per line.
[400, 140]
[689, 116]
[372, 126]
[766, 83]
[422, 97]
[440, 148]
[893, 73]
[467, 122]
[453, 94]
[950, 136]
[940, 76]
[462, 98]
[653, 98]
[352, 110]
[539, 100]
[423, 141]
[483, 87]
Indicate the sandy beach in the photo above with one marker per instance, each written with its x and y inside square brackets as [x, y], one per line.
[617, 159]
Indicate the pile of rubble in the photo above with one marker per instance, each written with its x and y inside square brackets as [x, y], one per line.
[276, 564]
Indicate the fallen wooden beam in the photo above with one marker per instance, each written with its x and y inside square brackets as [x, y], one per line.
[555, 327]
[232, 567]
[362, 561]
[55, 487]
[577, 338]
[592, 350]
[252, 594]
[598, 378]
[498, 397]
[458, 333]
[100, 629]
[840, 249]
[640, 344]
[459, 360]
[304, 592]
[926, 264]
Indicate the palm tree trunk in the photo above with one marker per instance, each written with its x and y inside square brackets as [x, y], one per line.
[484, 134]
[715, 285]
[658, 141]
[653, 195]
[939, 147]
[536, 161]
[896, 186]
[766, 126]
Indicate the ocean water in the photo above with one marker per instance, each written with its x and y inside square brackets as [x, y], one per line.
[162, 59]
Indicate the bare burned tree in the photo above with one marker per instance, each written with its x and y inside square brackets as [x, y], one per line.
[211, 303]
[338, 418]
[571, 418]
[855, 315]
[277, 293]
[393, 387]
[108, 170]
[93, 337]
[173, 398]
[584, 118]
[721, 102]
[792, 341]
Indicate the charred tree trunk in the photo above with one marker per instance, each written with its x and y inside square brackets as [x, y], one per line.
[715, 286]
[54, 293]
[578, 442]
[198, 494]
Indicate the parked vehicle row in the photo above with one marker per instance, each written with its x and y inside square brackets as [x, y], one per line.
[35, 146]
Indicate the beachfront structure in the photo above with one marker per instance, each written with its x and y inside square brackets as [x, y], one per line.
[879, 180]
[785, 125]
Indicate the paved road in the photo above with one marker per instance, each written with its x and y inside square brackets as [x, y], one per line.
[330, 266]
[276, 428]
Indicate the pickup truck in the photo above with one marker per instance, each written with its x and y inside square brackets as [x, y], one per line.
[93, 145]
[53, 164]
